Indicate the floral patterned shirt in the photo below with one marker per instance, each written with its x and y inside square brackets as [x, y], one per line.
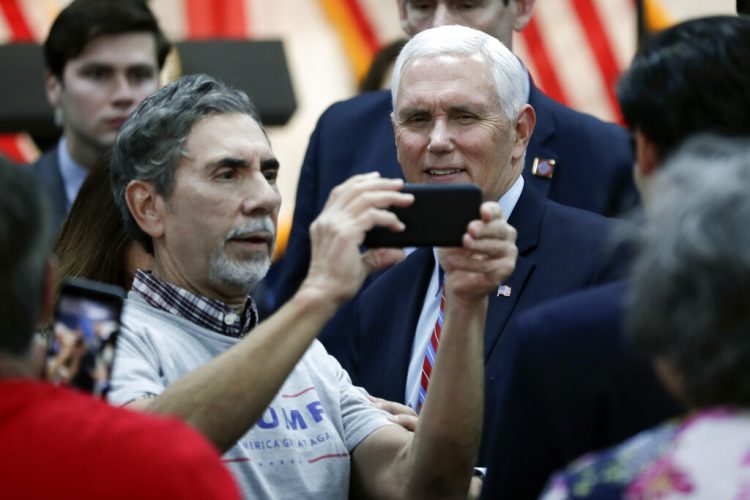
[706, 456]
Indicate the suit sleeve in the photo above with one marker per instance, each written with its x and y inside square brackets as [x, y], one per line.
[519, 460]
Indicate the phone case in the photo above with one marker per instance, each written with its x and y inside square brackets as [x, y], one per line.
[438, 217]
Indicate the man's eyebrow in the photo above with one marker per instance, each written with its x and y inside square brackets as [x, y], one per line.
[97, 65]
[269, 164]
[140, 66]
[411, 110]
[230, 162]
[463, 108]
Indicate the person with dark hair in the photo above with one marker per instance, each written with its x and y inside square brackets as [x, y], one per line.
[194, 177]
[569, 380]
[688, 307]
[378, 76]
[58, 443]
[102, 58]
[93, 242]
[572, 158]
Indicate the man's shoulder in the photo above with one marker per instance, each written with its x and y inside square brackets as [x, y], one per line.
[583, 225]
[570, 121]
[140, 317]
[578, 312]
[575, 225]
[46, 163]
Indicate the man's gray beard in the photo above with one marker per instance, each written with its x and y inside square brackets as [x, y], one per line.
[241, 274]
[238, 274]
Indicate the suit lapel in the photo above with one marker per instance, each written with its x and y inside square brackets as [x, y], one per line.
[544, 132]
[409, 290]
[48, 170]
[526, 219]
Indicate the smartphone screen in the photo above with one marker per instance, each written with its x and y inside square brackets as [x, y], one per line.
[85, 327]
[438, 217]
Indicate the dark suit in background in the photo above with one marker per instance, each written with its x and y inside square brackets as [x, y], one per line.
[560, 249]
[593, 172]
[567, 382]
[47, 169]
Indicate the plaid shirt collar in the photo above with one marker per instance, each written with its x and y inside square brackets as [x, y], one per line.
[207, 313]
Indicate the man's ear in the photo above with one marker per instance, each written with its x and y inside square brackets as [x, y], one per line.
[53, 86]
[524, 127]
[393, 124]
[524, 11]
[146, 206]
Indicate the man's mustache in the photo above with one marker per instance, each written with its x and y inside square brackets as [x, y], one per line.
[254, 226]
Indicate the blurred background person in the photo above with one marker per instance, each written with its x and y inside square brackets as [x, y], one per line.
[378, 77]
[689, 309]
[102, 58]
[92, 242]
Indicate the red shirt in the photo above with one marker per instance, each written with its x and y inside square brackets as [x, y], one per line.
[57, 443]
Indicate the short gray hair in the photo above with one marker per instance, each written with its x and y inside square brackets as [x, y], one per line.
[509, 75]
[690, 296]
[151, 143]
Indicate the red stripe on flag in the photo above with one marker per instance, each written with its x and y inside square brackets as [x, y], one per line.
[10, 148]
[216, 19]
[600, 45]
[363, 25]
[545, 70]
[19, 28]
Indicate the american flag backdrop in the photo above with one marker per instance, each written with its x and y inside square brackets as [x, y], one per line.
[574, 49]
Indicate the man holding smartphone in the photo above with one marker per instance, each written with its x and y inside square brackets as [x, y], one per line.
[194, 176]
[58, 443]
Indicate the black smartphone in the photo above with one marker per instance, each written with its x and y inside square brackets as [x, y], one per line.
[86, 323]
[438, 217]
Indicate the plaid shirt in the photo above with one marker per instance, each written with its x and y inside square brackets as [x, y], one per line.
[211, 314]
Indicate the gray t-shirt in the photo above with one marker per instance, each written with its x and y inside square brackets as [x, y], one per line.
[301, 446]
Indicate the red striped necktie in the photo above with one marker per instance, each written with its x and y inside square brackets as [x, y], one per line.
[431, 353]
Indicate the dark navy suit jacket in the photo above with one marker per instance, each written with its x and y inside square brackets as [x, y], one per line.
[47, 169]
[560, 249]
[594, 172]
[567, 382]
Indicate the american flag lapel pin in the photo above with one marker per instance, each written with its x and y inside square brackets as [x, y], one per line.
[503, 290]
[543, 167]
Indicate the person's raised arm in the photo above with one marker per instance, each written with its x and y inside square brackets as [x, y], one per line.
[437, 460]
[225, 397]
